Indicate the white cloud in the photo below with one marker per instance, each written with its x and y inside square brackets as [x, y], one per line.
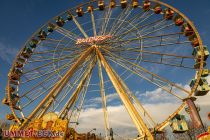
[157, 103]
[7, 53]
[109, 98]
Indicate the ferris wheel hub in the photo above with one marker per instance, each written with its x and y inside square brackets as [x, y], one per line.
[93, 40]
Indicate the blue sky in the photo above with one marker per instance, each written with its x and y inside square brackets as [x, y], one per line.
[19, 19]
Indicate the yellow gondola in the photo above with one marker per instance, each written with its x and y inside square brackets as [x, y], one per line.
[178, 20]
[90, 8]
[101, 5]
[80, 12]
[157, 9]
[123, 3]
[146, 5]
[112, 4]
[168, 14]
[135, 3]
[179, 124]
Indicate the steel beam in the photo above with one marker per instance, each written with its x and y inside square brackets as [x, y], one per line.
[59, 86]
[136, 118]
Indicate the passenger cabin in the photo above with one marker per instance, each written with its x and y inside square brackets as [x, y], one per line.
[15, 74]
[18, 65]
[14, 100]
[50, 27]
[179, 124]
[146, 5]
[60, 21]
[11, 89]
[198, 63]
[203, 87]
[123, 3]
[33, 43]
[157, 9]
[5, 101]
[205, 72]
[202, 90]
[168, 14]
[42, 34]
[21, 60]
[194, 40]
[27, 52]
[197, 53]
[135, 3]
[101, 5]
[187, 29]
[10, 117]
[112, 4]
[90, 8]
[79, 12]
[69, 16]
[14, 82]
[178, 20]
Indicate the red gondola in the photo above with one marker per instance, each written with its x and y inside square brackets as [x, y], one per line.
[179, 20]
[90, 9]
[80, 12]
[101, 5]
[168, 14]
[146, 5]
[157, 9]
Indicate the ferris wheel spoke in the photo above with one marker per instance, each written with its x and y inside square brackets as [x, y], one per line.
[103, 97]
[56, 55]
[93, 23]
[63, 67]
[48, 39]
[59, 86]
[157, 82]
[57, 50]
[77, 91]
[140, 27]
[134, 18]
[153, 77]
[136, 118]
[78, 76]
[44, 65]
[162, 43]
[39, 93]
[138, 105]
[106, 17]
[159, 29]
[80, 102]
[154, 57]
[168, 44]
[79, 27]
[37, 85]
[54, 71]
[119, 24]
[65, 32]
[123, 15]
[139, 23]
[153, 27]
[80, 106]
[53, 59]
[161, 38]
[106, 23]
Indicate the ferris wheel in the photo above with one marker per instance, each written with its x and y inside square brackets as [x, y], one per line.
[102, 47]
